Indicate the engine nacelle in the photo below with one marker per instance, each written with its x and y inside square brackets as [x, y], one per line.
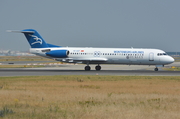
[58, 53]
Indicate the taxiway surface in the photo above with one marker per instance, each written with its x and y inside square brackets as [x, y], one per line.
[134, 70]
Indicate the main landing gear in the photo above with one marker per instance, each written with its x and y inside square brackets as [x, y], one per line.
[88, 68]
[156, 69]
[98, 68]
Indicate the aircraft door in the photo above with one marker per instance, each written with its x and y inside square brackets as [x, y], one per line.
[151, 56]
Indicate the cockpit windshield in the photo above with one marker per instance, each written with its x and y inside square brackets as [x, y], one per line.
[161, 54]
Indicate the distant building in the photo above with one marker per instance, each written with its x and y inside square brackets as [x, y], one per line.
[14, 53]
[175, 54]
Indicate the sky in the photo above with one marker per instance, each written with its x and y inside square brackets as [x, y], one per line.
[93, 23]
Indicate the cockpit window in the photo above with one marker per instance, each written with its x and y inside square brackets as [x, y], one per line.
[161, 54]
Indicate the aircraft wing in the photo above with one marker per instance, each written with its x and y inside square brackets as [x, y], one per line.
[85, 60]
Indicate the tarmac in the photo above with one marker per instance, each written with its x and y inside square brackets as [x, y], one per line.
[78, 69]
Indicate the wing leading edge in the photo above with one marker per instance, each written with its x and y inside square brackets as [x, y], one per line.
[85, 60]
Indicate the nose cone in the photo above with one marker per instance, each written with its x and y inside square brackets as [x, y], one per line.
[166, 60]
[170, 60]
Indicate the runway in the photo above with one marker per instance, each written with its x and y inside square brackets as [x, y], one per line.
[115, 70]
[41, 72]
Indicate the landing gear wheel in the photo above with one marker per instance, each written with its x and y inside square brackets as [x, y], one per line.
[98, 68]
[87, 68]
[156, 69]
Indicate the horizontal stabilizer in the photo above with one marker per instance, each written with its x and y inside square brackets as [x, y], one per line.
[16, 31]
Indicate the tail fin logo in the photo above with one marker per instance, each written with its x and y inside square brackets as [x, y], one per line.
[37, 40]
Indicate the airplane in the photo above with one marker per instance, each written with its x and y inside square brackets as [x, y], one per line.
[89, 55]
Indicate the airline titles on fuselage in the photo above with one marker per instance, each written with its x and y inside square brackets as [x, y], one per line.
[127, 54]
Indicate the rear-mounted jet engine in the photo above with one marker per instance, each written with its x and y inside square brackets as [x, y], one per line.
[58, 53]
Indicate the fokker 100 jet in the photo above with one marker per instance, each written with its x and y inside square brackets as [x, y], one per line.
[85, 55]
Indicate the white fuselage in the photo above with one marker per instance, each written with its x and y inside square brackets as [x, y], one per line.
[130, 56]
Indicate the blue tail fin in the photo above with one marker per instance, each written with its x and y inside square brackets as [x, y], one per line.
[34, 39]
